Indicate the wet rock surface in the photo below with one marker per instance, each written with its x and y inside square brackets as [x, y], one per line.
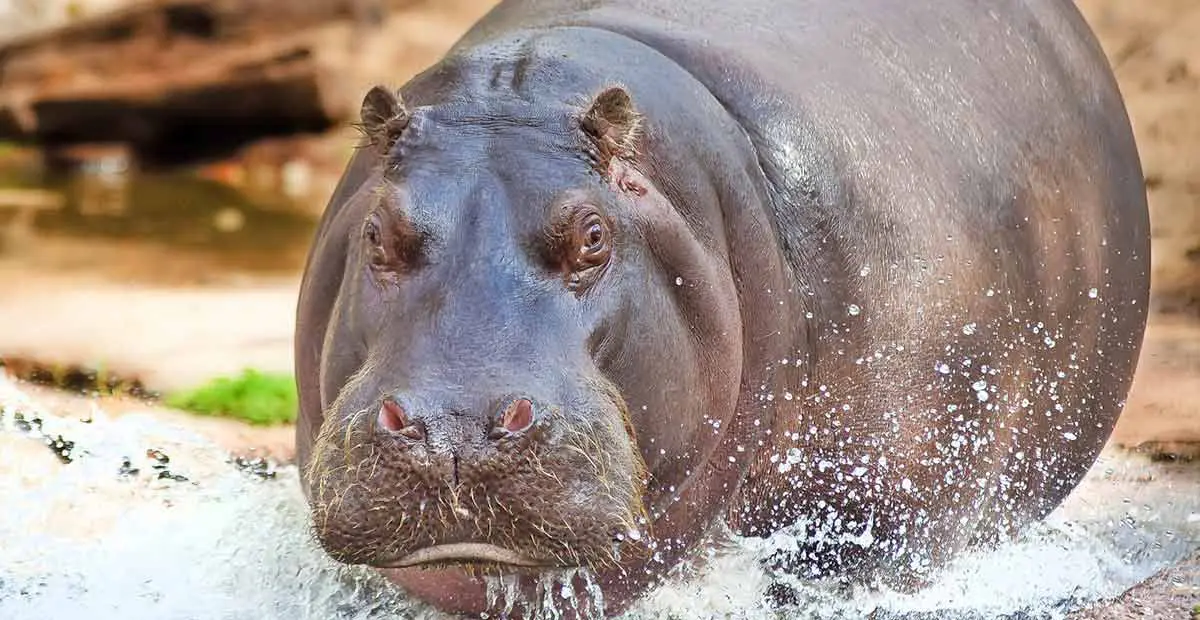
[1172, 593]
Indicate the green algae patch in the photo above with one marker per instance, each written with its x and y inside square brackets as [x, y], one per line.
[259, 398]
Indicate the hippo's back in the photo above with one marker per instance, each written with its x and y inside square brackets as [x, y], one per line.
[956, 190]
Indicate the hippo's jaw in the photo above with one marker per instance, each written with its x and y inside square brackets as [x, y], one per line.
[561, 493]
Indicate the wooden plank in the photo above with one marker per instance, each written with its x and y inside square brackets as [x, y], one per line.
[277, 61]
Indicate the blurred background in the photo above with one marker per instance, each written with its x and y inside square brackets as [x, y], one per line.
[163, 163]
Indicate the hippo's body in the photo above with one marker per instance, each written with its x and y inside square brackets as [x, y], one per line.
[615, 270]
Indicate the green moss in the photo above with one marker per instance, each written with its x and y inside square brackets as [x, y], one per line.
[256, 397]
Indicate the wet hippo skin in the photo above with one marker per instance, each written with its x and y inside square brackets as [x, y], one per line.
[613, 273]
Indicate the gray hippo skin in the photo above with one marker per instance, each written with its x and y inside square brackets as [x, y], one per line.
[613, 273]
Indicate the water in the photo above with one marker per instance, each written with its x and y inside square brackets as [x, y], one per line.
[149, 226]
[193, 535]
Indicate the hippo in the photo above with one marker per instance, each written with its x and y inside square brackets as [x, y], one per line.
[616, 278]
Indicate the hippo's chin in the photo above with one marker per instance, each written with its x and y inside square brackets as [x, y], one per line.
[468, 553]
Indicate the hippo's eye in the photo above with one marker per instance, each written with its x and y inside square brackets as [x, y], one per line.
[591, 241]
[582, 246]
[594, 236]
[374, 239]
[393, 246]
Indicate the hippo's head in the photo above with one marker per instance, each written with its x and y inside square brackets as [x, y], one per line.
[529, 354]
[519, 368]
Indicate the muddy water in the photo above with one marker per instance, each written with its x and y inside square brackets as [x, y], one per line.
[150, 521]
[174, 227]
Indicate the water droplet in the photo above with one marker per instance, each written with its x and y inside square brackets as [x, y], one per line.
[1093, 293]
[853, 310]
[1049, 342]
[793, 456]
[678, 281]
[979, 385]
[991, 293]
[968, 329]
[1069, 436]
[943, 368]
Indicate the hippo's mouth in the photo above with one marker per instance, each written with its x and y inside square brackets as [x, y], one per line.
[465, 553]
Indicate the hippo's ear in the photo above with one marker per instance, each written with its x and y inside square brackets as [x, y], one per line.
[383, 118]
[613, 125]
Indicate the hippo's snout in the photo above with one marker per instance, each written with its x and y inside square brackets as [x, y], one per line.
[417, 479]
[469, 439]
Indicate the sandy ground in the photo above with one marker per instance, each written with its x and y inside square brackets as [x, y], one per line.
[170, 338]
[1162, 414]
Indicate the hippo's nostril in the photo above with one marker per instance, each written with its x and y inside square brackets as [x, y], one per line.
[393, 418]
[518, 416]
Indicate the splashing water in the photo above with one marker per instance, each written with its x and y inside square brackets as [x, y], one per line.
[150, 521]
[556, 596]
